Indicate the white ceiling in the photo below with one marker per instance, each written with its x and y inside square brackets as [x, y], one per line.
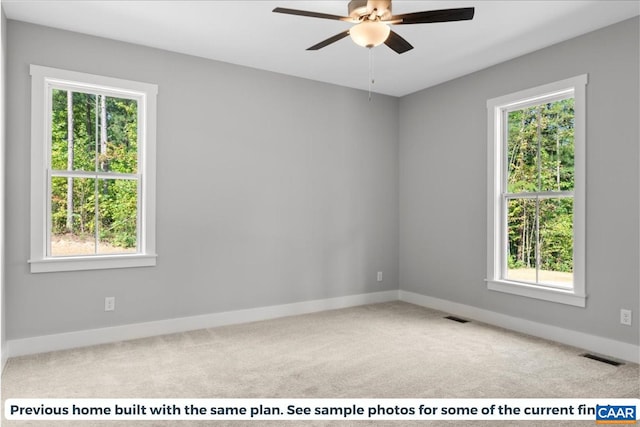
[248, 33]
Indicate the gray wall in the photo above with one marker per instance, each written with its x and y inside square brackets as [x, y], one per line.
[443, 151]
[270, 190]
[3, 77]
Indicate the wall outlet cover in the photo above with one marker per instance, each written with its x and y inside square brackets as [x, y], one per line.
[625, 316]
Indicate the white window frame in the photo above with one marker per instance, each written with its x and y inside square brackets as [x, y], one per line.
[43, 80]
[496, 210]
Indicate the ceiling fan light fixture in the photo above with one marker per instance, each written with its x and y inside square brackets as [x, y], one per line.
[370, 33]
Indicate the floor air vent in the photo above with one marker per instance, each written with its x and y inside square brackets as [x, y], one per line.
[456, 319]
[602, 359]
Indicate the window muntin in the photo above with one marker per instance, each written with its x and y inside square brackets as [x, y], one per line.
[93, 171]
[536, 193]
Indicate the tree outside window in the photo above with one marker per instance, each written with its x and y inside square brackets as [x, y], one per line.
[94, 181]
[539, 196]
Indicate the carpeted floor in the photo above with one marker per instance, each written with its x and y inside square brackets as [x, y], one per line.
[389, 350]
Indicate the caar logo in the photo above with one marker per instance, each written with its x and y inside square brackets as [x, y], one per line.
[615, 414]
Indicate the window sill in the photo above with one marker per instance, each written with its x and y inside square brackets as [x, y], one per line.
[561, 296]
[49, 265]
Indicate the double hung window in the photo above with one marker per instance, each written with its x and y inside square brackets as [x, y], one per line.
[536, 192]
[93, 171]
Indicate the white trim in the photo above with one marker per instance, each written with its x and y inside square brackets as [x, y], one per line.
[531, 95]
[114, 85]
[593, 343]
[496, 215]
[92, 262]
[43, 79]
[68, 340]
[20, 347]
[531, 290]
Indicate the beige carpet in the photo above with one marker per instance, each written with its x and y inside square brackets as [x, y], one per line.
[389, 350]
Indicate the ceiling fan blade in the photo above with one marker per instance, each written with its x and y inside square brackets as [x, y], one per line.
[330, 40]
[430, 16]
[397, 43]
[312, 14]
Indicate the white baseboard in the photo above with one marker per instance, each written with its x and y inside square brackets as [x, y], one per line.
[593, 343]
[63, 341]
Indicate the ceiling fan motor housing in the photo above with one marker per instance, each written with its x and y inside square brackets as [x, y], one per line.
[358, 8]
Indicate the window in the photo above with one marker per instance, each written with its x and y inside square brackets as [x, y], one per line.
[92, 171]
[536, 179]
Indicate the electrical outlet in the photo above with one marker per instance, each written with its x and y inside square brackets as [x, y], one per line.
[109, 303]
[625, 317]
[379, 276]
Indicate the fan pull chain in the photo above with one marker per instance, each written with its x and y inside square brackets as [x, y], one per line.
[371, 79]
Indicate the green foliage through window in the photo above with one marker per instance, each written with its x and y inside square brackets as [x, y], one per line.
[94, 166]
[540, 180]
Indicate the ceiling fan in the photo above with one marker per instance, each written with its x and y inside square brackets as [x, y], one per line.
[372, 19]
